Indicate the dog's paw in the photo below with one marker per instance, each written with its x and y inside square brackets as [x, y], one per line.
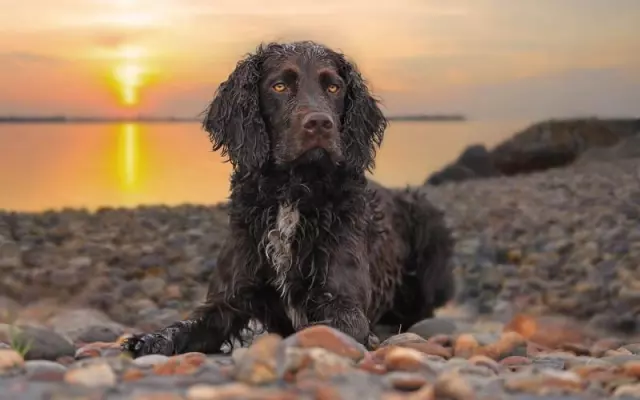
[372, 342]
[150, 343]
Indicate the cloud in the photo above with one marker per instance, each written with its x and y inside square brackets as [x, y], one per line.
[26, 57]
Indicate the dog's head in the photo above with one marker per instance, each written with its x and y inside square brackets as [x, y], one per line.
[293, 104]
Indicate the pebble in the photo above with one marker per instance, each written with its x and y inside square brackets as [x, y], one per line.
[10, 359]
[432, 327]
[93, 375]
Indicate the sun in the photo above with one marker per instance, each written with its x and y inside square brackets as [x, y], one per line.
[129, 74]
[128, 77]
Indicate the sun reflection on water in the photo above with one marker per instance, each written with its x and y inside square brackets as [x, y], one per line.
[128, 155]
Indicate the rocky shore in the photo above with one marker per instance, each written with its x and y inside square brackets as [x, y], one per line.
[548, 302]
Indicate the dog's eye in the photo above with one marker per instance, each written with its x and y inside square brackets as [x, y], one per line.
[279, 87]
[333, 88]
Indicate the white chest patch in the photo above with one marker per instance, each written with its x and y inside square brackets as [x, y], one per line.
[279, 253]
[278, 246]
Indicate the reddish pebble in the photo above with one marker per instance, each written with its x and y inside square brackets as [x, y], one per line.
[551, 332]
[408, 382]
[485, 362]
[404, 359]
[258, 364]
[429, 348]
[515, 361]
[132, 375]
[329, 339]
[442, 340]
[465, 346]
[632, 368]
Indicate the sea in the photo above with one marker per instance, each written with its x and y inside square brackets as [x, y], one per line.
[92, 165]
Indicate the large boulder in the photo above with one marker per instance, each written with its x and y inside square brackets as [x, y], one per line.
[551, 144]
[474, 162]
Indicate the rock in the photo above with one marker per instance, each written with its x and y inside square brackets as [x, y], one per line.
[150, 360]
[86, 325]
[10, 256]
[259, 364]
[474, 162]
[551, 144]
[38, 343]
[465, 346]
[314, 363]
[8, 310]
[10, 359]
[98, 349]
[44, 370]
[92, 375]
[183, 364]
[433, 326]
[211, 392]
[632, 390]
[453, 386]
[406, 337]
[329, 339]
[404, 359]
[551, 332]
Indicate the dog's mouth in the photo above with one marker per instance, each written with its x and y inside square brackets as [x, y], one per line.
[318, 155]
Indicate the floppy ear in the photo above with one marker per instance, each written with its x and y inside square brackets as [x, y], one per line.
[363, 123]
[233, 118]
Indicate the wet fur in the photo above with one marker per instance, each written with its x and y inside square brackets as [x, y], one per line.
[311, 242]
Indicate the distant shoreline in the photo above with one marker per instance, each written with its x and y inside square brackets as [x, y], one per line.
[107, 120]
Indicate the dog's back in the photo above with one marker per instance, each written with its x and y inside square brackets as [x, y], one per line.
[423, 253]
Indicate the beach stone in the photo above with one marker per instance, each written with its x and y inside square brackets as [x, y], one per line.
[10, 256]
[98, 349]
[433, 326]
[631, 390]
[452, 385]
[551, 332]
[183, 364]
[42, 344]
[329, 339]
[92, 375]
[315, 363]
[8, 309]
[404, 359]
[259, 363]
[465, 346]
[43, 370]
[407, 337]
[10, 359]
[150, 360]
[86, 325]
[405, 381]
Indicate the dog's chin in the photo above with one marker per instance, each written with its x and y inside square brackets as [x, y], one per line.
[318, 157]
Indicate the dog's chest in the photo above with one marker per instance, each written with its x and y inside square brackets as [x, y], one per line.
[279, 239]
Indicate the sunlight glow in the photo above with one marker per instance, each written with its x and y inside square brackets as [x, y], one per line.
[128, 154]
[129, 74]
[129, 77]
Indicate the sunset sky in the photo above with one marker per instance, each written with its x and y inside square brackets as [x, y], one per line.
[485, 58]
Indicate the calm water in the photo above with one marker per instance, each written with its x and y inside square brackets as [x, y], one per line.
[54, 166]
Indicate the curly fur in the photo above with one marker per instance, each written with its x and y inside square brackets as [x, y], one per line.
[312, 240]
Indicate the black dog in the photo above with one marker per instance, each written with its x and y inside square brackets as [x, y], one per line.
[311, 241]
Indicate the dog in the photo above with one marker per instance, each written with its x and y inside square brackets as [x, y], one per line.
[312, 240]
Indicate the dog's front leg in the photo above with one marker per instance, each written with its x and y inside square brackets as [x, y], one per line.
[231, 302]
[341, 303]
[218, 321]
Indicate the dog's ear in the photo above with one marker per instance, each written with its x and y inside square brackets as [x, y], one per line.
[233, 118]
[363, 121]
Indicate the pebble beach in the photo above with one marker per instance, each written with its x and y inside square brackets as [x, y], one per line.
[548, 303]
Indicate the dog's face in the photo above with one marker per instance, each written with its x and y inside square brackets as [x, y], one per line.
[292, 104]
[302, 98]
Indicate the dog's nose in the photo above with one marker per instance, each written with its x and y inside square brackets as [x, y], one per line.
[317, 123]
